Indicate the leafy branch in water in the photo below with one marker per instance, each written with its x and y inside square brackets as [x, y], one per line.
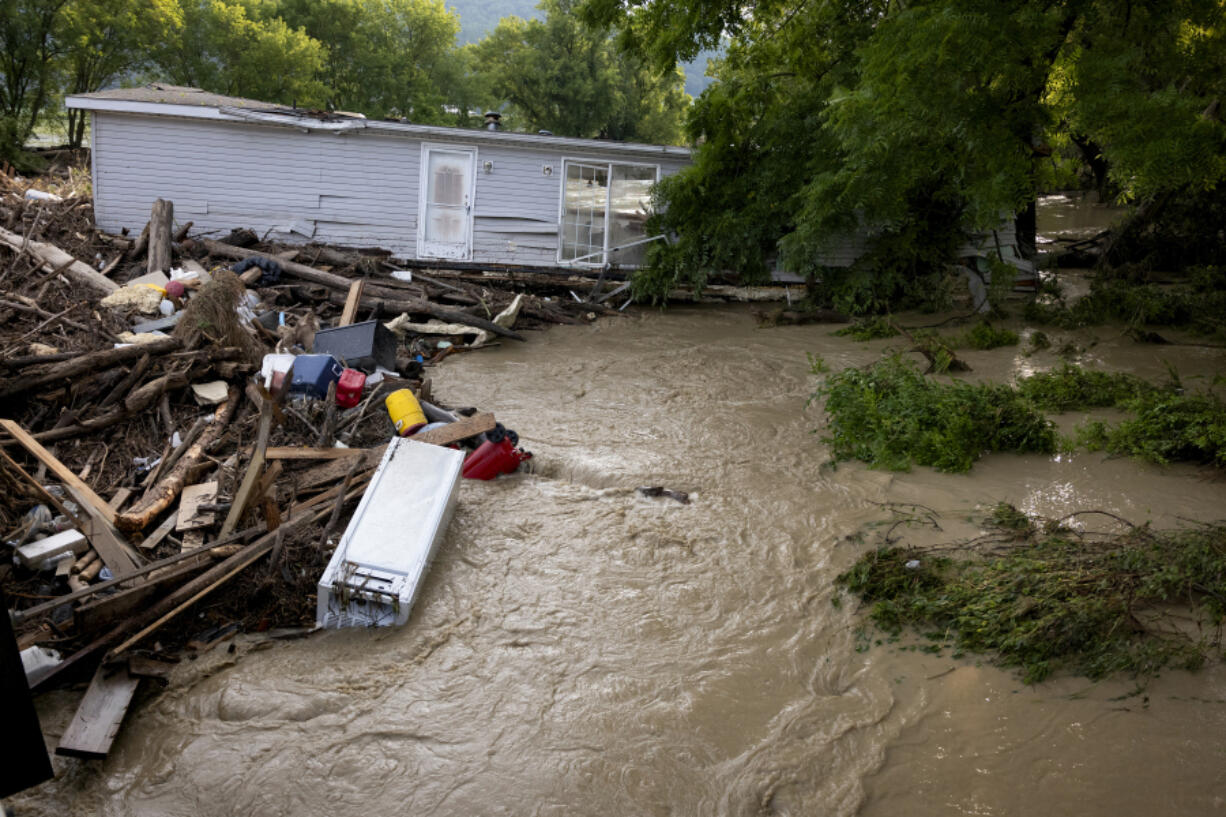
[891, 416]
[1042, 597]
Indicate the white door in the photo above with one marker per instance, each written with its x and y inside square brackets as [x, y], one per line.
[445, 226]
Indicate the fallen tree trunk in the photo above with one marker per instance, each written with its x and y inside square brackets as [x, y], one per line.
[161, 495]
[92, 362]
[53, 258]
[340, 287]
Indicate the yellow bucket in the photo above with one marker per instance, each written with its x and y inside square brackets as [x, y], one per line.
[405, 412]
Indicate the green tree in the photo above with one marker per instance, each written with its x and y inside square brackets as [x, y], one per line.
[242, 49]
[28, 50]
[103, 40]
[385, 57]
[568, 78]
[908, 122]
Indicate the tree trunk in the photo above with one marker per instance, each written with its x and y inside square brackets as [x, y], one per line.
[161, 225]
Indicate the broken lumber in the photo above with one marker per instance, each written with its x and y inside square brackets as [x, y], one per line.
[350, 312]
[59, 469]
[97, 720]
[53, 258]
[161, 221]
[163, 493]
[243, 495]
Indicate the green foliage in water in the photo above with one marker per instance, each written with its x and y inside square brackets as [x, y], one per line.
[1050, 600]
[1197, 303]
[985, 336]
[874, 328]
[1072, 387]
[1166, 427]
[891, 416]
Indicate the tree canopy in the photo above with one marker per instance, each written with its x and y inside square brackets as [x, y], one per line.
[912, 121]
[562, 76]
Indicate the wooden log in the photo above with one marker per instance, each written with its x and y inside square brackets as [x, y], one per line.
[181, 233]
[100, 713]
[124, 386]
[340, 287]
[88, 363]
[140, 245]
[161, 225]
[53, 258]
[164, 493]
[350, 312]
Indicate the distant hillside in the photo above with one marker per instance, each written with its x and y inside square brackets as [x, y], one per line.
[478, 18]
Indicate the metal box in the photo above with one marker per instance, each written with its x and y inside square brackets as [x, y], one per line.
[377, 569]
[360, 345]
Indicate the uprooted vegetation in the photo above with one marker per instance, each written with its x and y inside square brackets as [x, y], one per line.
[891, 416]
[1195, 302]
[1042, 597]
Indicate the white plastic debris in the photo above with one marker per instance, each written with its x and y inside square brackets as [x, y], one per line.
[39, 195]
[403, 275]
[42, 554]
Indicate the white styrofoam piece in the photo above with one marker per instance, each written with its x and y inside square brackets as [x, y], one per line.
[36, 555]
[374, 576]
[274, 363]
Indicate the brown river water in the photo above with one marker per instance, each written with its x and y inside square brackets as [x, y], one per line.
[579, 649]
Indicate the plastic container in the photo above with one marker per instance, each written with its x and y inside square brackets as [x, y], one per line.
[349, 388]
[362, 345]
[492, 459]
[405, 412]
[313, 373]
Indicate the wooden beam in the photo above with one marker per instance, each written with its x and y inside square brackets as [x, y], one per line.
[243, 495]
[298, 452]
[51, 257]
[100, 713]
[459, 430]
[115, 552]
[350, 314]
[60, 470]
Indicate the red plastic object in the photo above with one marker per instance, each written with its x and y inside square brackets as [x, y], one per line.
[349, 388]
[492, 459]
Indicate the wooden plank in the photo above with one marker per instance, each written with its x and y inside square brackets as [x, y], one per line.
[160, 532]
[60, 470]
[243, 495]
[350, 313]
[459, 430]
[100, 713]
[190, 518]
[105, 539]
[121, 496]
[297, 452]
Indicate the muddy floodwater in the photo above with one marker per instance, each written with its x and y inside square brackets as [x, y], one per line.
[579, 649]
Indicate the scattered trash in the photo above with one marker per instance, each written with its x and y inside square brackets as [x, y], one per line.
[43, 554]
[270, 268]
[313, 374]
[496, 456]
[212, 393]
[912, 564]
[349, 388]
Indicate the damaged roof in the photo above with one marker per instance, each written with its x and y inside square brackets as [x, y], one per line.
[162, 99]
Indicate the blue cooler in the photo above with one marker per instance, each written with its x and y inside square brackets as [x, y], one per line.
[313, 373]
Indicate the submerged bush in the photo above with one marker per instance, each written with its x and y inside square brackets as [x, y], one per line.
[1072, 387]
[1167, 427]
[891, 416]
[1055, 600]
[985, 336]
[1197, 303]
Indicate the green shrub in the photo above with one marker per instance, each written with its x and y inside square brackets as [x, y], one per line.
[1167, 427]
[1072, 387]
[891, 416]
[985, 336]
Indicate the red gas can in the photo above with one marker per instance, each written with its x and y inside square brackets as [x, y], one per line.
[491, 459]
[349, 388]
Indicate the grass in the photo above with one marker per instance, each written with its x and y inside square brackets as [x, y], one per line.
[1042, 598]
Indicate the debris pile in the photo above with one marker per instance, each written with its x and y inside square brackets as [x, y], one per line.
[187, 423]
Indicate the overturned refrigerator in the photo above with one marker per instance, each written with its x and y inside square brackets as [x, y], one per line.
[377, 569]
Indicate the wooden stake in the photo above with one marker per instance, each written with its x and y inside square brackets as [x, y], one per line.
[351, 302]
